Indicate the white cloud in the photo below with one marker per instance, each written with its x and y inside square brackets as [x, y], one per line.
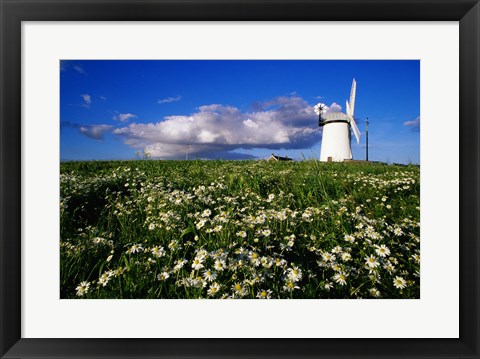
[96, 131]
[250, 123]
[79, 69]
[206, 136]
[87, 100]
[285, 122]
[414, 124]
[334, 107]
[170, 99]
[122, 117]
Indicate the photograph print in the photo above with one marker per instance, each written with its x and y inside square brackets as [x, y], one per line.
[239, 179]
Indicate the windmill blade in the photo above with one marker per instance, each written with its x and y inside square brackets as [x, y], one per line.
[347, 108]
[352, 97]
[356, 132]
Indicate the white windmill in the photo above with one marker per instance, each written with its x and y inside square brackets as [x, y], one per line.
[336, 138]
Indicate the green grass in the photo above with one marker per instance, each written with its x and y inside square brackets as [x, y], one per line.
[133, 229]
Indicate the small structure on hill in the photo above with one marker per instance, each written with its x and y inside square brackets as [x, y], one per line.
[273, 157]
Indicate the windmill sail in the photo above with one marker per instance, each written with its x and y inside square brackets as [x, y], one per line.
[356, 132]
[352, 96]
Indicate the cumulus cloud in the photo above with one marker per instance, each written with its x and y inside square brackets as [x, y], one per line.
[95, 132]
[282, 123]
[170, 99]
[334, 107]
[87, 100]
[122, 117]
[414, 124]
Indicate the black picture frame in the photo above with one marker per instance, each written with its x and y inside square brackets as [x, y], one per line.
[13, 12]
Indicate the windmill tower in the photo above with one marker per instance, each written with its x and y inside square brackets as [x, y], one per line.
[336, 138]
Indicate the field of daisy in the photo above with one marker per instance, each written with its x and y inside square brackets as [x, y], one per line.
[239, 229]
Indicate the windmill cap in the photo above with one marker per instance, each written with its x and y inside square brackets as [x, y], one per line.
[335, 116]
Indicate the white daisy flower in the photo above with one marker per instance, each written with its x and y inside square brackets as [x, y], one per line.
[290, 286]
[239, 289]
[219, 265]
[264, 294]
[179, 264]
[136, 248]
[242, 234]
[163, 276]
[294, 274]
[197, 263]
[397, 231]
[382, 250]
[371, 261]
[328, 257]
[346, 256]
[104, 279]
[213, 290]
[416, 257]
[158, 251]
[201, 223]
[340, 278]
[209, 275]
[399, 282]
[83, 288]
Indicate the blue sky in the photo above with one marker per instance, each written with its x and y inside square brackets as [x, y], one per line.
[111, 109]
